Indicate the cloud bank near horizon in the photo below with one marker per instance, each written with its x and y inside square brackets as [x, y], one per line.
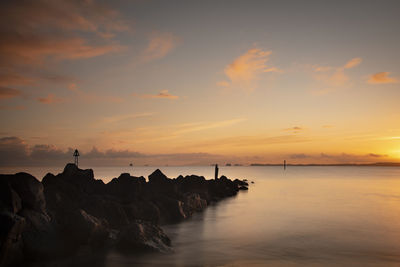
[15, 152]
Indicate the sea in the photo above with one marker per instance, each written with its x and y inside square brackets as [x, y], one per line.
[301, 216]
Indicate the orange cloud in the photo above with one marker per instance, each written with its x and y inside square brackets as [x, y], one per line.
[331, 78]
[88, 16]
[124, 117]
[73, 87]
[199, 126]
[35, 50]
[295, 129]
[162, 94]
[353, 63]
[11, 78]
[223, 84]
[34, 32]
[18, 107]
[160, 44]
[245, 69]
[50, 99]
[381, 78]
[6, 92]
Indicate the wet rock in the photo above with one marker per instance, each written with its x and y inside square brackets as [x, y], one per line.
[241, 182]
[142, 236]
[171, 210]
[194, 203]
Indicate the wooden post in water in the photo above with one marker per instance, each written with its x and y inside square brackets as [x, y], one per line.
[284, 164]
[216, 171]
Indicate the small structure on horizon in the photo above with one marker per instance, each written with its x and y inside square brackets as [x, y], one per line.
[216, 171]
[284, 164]
[76, 155]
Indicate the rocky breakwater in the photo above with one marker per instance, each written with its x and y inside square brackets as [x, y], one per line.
[72, 211]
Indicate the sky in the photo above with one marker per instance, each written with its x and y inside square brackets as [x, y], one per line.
[199, 82]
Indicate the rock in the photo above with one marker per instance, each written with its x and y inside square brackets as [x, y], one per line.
[171, 210]
[194, 203]
[9, 199]
[40, 237]
[157, 177]
[71, 211]
[11, 243]
[97, 228]
[142, 236]
[29, 189]
[126, 187]
[241, 183]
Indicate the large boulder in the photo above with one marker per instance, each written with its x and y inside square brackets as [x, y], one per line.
[11, 242]
[126, 187]
[193, 203]
[29, 190]
[157, 177]
[171, 210]
[142, 236]
[40, 238]
[81, 180]
[9, 199]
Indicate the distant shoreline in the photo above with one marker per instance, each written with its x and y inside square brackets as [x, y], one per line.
[377, 164]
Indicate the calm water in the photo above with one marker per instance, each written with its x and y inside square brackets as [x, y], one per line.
[304, 216]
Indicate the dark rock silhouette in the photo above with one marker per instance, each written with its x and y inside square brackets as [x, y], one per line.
[72, 210]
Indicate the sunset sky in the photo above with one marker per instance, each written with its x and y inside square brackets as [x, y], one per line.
[199, 82]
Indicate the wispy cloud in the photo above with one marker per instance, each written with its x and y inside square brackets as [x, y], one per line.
[381, 78]
[223, 83]
[123, 117]
[160, 44]
[50, 99]
[199, 126]
[163, 94]
[353, 63]
[8, 78]
[32, 38]
[255, 141]
[6, 92]
[295, 129]
[17, 107]
[34, 34]
[163, 133]
[331, 78]
[247, 68]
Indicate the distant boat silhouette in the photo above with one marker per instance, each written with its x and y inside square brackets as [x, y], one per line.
[130, 164]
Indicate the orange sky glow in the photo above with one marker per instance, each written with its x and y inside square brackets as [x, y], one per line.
[185, 83]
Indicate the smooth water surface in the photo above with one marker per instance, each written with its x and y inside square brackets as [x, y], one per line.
[304, 216]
